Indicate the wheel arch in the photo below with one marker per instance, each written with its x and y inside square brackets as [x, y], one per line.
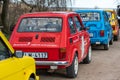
[32, 76]
[75, 52]
[29, 74]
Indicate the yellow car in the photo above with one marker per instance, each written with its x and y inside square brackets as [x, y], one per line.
[114, 23]
[13, 66]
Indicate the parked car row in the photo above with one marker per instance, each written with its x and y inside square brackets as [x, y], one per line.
[57, 40]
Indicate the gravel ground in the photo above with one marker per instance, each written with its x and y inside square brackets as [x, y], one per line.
[105, 65]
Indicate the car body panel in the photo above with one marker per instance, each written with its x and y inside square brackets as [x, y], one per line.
[13, 68]
[96, 24]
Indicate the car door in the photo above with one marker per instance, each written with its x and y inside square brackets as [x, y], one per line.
[82, 39]
[73, 37]
[107, 26]
[10, 67]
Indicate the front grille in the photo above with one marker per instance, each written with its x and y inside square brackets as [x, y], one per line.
[25, 39]
[47, 39]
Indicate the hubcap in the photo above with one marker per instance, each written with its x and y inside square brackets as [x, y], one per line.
[76, 65]
[90, 52]
[108, 44]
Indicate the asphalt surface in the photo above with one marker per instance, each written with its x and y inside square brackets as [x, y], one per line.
[105, 65]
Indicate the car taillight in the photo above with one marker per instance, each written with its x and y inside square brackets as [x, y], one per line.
[102, 33]
[62, 54]
[113, 26]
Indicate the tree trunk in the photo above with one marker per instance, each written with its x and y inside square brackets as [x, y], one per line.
[4, 16]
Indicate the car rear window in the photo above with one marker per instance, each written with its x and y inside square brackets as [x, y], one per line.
[90, 16]
[40, 25]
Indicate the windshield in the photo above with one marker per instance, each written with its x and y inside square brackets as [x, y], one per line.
[90, 16]
[4, 51]
[40, 25]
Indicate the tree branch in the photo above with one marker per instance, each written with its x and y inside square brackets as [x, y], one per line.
[30, 5]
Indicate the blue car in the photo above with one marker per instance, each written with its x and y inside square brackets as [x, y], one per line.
[98, 25]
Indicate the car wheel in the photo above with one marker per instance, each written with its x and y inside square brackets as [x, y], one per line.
[116, 38]
[31, 79]
[72, 70]
[111, 41]
[88, 58]
[106, 46]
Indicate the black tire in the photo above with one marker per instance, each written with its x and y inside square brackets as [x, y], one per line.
[72, 70]
[88, 58]
[111, 42]
[31, 78]
[116, 38]
[106, 47]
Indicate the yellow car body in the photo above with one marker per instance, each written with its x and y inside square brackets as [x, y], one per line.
[114, 23]
[13, 67]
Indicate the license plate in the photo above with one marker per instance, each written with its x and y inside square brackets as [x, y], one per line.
[91, 34]
[36, 54]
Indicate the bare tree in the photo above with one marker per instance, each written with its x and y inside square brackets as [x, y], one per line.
[45, 5]
[4, 15]
[7, 7]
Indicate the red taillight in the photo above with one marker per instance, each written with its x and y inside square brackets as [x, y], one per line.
[102, 33]
[113, 26]
[62, 54]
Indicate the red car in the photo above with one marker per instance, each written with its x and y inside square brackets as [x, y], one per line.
[55, 39]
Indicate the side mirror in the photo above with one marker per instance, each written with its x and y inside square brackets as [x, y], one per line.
[18, 54]
[12, 27]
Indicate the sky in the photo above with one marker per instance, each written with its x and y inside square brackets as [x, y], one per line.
[95, 3]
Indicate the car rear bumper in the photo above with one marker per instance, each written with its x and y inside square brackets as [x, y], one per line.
[52, 63]
[99, 41]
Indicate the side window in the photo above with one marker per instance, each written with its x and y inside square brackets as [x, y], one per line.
[4, 51]
[77, 23]
[106, 17]
[71, 25]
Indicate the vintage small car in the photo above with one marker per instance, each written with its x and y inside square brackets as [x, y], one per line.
[55, 39]
[114, 23]
[98, 25]
[13, 66]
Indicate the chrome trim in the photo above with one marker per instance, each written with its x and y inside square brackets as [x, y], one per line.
[51, 63]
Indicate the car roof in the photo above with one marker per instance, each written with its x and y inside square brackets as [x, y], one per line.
[49, 14]
[90, 10]
[110, 10]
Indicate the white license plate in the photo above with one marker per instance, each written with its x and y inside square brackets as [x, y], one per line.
[91, 34]
[36, 54]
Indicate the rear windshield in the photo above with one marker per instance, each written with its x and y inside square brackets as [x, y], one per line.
[40, 25]
[90, 16]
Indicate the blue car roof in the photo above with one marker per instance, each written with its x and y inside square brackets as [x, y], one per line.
[89, 10]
